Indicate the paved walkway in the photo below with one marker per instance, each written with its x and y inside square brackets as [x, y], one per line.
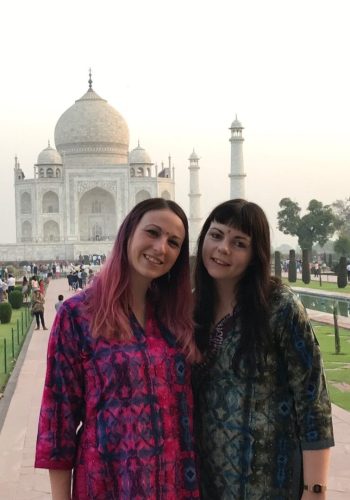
[18, 478]
[20, 481]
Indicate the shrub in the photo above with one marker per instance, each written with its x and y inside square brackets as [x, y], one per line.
[5, 312]
[342, 276]
[330, 261]
[292, 268]
[306, 267]
[278, 267]
[16, 299]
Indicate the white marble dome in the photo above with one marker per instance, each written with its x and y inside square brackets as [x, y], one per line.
[92, 125]
[49, 156]
[139, 156]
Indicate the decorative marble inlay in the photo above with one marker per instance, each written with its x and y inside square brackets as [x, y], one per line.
[84, 186]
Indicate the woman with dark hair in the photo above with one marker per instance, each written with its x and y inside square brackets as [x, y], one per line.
[262, 413]
[38, 302]
[117, 403]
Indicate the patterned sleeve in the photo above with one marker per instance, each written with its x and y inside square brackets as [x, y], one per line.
[302, 355]
[62, 402]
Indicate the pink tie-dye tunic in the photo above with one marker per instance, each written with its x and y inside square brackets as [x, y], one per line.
[134, 403]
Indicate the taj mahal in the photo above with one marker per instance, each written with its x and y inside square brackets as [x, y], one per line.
[84, 186]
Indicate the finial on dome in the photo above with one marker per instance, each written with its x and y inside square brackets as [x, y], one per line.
[90, 80]
[138, 143]
[48, 144]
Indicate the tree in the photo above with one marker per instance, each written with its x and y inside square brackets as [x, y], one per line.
[336, 328]
[330, 261]
[342, 246]
[317, 226]
[278, 267]
[341, 209]
[292, 268]
[306, 267]
[342, 278]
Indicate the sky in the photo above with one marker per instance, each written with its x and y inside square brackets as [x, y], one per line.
[179, 72]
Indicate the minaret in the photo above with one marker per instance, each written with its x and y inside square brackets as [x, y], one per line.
[237, 175]
[195, 219]
[19, 175]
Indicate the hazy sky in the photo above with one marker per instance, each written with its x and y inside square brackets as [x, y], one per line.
[179, 72]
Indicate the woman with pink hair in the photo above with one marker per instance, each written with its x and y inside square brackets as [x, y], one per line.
[117, 403]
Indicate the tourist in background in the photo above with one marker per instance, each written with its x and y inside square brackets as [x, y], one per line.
[11, 283]
[263, 415]
[118, 370]
[3, 288]
[42, 286]
[34, 282]
[59, 303]
[25, 289]
[38, 302]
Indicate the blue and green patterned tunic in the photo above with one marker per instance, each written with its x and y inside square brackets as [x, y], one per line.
[251, 431]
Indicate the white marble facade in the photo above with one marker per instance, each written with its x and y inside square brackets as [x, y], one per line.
[82, 190]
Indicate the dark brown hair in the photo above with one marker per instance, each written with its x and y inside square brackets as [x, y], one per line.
[253, 290]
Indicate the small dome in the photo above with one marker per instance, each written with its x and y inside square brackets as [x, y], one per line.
[49, 156]
[194, 156]
[139, 156]
[236, 123]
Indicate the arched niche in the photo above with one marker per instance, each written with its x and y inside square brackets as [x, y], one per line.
[97, 215]
[166, 195]
[139, 172]
[142, 195]
[50, 204]
[51, 231]
[26, 203]
[27, 231]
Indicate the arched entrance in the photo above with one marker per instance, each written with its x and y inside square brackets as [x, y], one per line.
[51, 203]
[97, 216]
[26, 231]
[51, 231]
[142, 195]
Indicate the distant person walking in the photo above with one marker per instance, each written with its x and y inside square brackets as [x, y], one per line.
[38, 308]
[59, 303]
[25, 289]
[11, 282]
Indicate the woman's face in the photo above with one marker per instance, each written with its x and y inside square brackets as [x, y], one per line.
[155, 245]
[226, 252]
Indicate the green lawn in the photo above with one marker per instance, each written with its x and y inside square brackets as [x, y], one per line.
[20, 322]
[327, 286]
[337, 366]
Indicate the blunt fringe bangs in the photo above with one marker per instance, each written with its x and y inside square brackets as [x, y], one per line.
[253, 290]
